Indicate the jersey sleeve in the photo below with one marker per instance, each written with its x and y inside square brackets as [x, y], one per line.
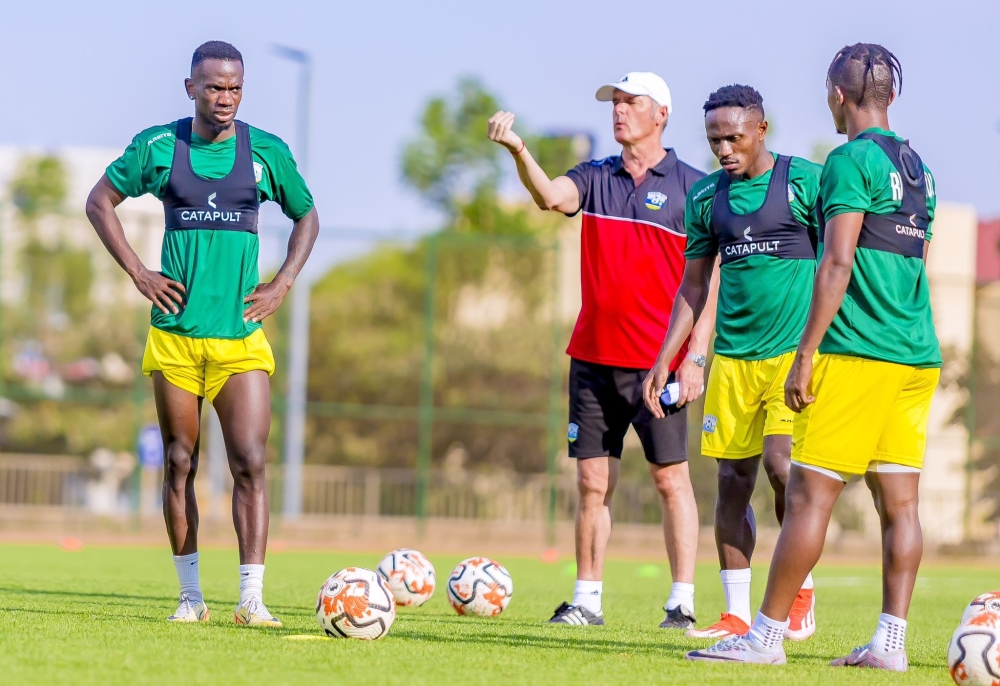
[129, 173]
[931, 202]
[844, 186]
[581, 175]
[278, 177]
[701, 242]
[804, 179]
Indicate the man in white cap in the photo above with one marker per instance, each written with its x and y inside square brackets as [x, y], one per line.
[632, 260]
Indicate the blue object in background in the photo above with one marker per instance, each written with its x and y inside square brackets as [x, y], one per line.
[150, 447]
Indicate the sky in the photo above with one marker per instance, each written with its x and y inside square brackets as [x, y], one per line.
[97, 73]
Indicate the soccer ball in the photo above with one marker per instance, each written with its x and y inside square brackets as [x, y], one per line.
[409, 575]
[480, 586]
[355, 603]
[987, 602]
[974, 653]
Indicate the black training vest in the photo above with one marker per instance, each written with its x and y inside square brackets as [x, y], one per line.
[226, 204]
[901, 232]
[771, 230]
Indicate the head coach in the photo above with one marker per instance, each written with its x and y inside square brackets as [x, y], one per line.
[632, 259]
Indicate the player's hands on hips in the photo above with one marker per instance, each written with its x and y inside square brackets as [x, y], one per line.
[797, 391]
[501, 130]
[652, 387]
[265, 299]
[692, 380]
[166, 294]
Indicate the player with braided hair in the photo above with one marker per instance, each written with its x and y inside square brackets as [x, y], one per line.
[863, 406]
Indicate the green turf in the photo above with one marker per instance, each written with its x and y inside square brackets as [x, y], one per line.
[96, 617]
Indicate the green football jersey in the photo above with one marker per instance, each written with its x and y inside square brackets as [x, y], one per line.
[886, 313]
[218, 268]
[763, 299]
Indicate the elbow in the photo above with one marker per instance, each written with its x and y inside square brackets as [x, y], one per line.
[92, 208]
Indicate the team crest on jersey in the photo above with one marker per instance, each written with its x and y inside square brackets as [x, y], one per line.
[791, 194]
[655, 200]
[711, 421]
[258, 171]
[573, 433]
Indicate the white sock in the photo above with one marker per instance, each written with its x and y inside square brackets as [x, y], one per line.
[766, 634]
[890, 634]
[808, 583]
[681, 594]
[187, 574]
[587, 594]
[251, 582]
[736, 586]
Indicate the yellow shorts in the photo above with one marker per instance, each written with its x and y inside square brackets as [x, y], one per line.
[865, 411]
[202, 365]
[745, 401]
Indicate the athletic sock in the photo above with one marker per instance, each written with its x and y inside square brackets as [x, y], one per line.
[681, 594]
[808, 583]
[766, 634]
[251, 582]
[890, 634]
[587, 594]
[736, 586]
[187, 575]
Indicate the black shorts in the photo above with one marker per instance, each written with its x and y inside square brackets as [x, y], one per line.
[604, 400]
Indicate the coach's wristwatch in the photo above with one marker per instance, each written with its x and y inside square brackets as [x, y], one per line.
[699, 360]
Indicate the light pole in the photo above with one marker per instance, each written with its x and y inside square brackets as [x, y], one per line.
[298, 335]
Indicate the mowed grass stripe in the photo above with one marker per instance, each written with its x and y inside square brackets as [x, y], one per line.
[96, 616]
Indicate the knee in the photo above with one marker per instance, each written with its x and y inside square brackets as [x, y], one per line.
[777, 464]
[248, 466]
[672, 481]
[179, 459]
[593, 486]
[735, 490]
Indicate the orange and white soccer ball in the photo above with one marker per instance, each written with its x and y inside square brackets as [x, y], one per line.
[987, 602]
[974, 653]
[480, 586]
[355, 603]
[409, 575]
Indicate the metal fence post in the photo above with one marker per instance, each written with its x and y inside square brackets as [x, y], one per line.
[426, 408]
[555, 399]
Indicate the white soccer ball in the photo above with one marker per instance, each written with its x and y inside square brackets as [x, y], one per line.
[355, 603]
[409, 575]
[480, 586]
[974, 653]
[987, 602]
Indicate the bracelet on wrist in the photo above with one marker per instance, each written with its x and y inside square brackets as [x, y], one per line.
[520, 150]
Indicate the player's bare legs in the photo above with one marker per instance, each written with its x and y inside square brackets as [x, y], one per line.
[244, 407]
[777, 465]
[809, 500]
[735, 526]
[680, 518]
[596, 479]
[896, 501]
[179, 415]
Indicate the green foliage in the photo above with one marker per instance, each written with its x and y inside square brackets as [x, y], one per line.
[452, 160]
[97, 616]
[40, 186]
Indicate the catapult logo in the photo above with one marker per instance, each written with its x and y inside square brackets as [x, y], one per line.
[912, 230]
[212, 215]
[751, 247]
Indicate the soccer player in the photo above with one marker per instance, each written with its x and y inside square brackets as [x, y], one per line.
[864, 406]
[211, 172]
[757, 215]
[631, 262]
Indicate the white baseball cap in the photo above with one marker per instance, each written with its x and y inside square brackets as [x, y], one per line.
[638, 83]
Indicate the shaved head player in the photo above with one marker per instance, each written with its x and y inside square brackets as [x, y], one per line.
[212, 172]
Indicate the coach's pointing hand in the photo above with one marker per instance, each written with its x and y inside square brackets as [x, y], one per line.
[501, 130]
[797, 391]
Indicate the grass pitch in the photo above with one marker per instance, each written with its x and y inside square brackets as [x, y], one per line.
[96, 616]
